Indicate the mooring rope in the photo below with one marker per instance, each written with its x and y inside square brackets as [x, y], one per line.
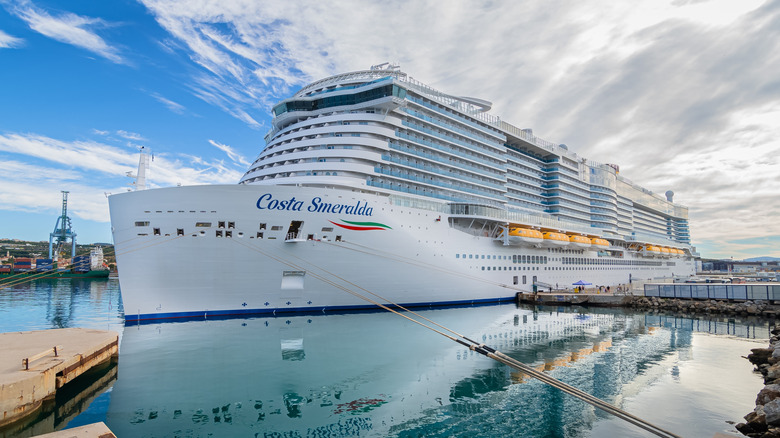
[472, 345]
[392, 307]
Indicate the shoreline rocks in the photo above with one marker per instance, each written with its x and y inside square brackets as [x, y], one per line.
[722, 307]
[764, 421]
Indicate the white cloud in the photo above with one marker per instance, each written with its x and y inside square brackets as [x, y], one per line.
[130, 135]
[171, 105]
[68, 28]
[9, 42]
[232, 154]
[89, 169]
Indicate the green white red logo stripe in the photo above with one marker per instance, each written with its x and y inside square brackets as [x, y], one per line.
[361, 226]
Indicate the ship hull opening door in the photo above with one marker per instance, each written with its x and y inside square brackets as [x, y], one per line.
[294, 230]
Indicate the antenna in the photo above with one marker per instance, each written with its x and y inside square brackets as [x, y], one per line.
[140, 176]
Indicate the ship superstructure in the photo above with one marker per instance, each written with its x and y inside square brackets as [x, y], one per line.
[384, 130]
[374, 180]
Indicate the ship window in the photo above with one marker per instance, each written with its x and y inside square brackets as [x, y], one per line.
[470, 255]
[327, 229]
[203, 224]
[219, 233]
[231, 224]
[142, 224]
[464, 256]
[457, 256]
[262, 227]
[338, 238]
[483, 268]
[259, 235]
[228, 234]
[514, 279]
[221, 224]
[180, 231]
[523, 279]
[310, 237]
[276, 228]
[156, 231]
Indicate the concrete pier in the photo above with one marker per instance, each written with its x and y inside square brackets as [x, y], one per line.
[581, 298]
[94, 430]
[35, 364]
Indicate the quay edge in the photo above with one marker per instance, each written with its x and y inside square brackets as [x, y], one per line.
[24, 392]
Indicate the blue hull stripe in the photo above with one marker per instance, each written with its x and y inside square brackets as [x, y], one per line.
[141, 318]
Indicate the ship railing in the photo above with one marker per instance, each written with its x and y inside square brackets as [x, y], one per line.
[293, 237]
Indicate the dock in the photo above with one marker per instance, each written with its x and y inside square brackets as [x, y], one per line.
[94, 430]
[573, 298]
[35, 364]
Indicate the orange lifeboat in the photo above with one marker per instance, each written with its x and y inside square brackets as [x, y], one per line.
[579, 241]
[600, 242]
[525, 235]
[556, 239]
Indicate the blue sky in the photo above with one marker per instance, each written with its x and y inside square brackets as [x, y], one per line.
[683, 95]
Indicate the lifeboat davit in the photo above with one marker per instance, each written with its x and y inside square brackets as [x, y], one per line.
[579, 241]
[603, 243]
[525, 235]
[556, 239]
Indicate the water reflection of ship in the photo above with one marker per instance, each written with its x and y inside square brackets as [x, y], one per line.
[311, 373]
[626, 359]
[377, 374]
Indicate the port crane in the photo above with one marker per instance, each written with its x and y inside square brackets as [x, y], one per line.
[62, 230]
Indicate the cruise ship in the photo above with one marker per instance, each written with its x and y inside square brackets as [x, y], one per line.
[374, 188]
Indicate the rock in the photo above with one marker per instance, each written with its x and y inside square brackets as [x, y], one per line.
[759, 355]
[757, 419]
[772, 413]
[767, 394]
[744, 428]
[773, 372]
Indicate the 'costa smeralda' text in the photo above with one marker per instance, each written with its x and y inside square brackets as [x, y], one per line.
[267, 202]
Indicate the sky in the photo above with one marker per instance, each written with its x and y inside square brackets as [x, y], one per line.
[682, 95]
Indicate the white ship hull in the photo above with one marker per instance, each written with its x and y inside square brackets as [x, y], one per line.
[348, 245]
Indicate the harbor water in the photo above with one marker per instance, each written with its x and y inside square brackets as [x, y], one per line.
[377, 374]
